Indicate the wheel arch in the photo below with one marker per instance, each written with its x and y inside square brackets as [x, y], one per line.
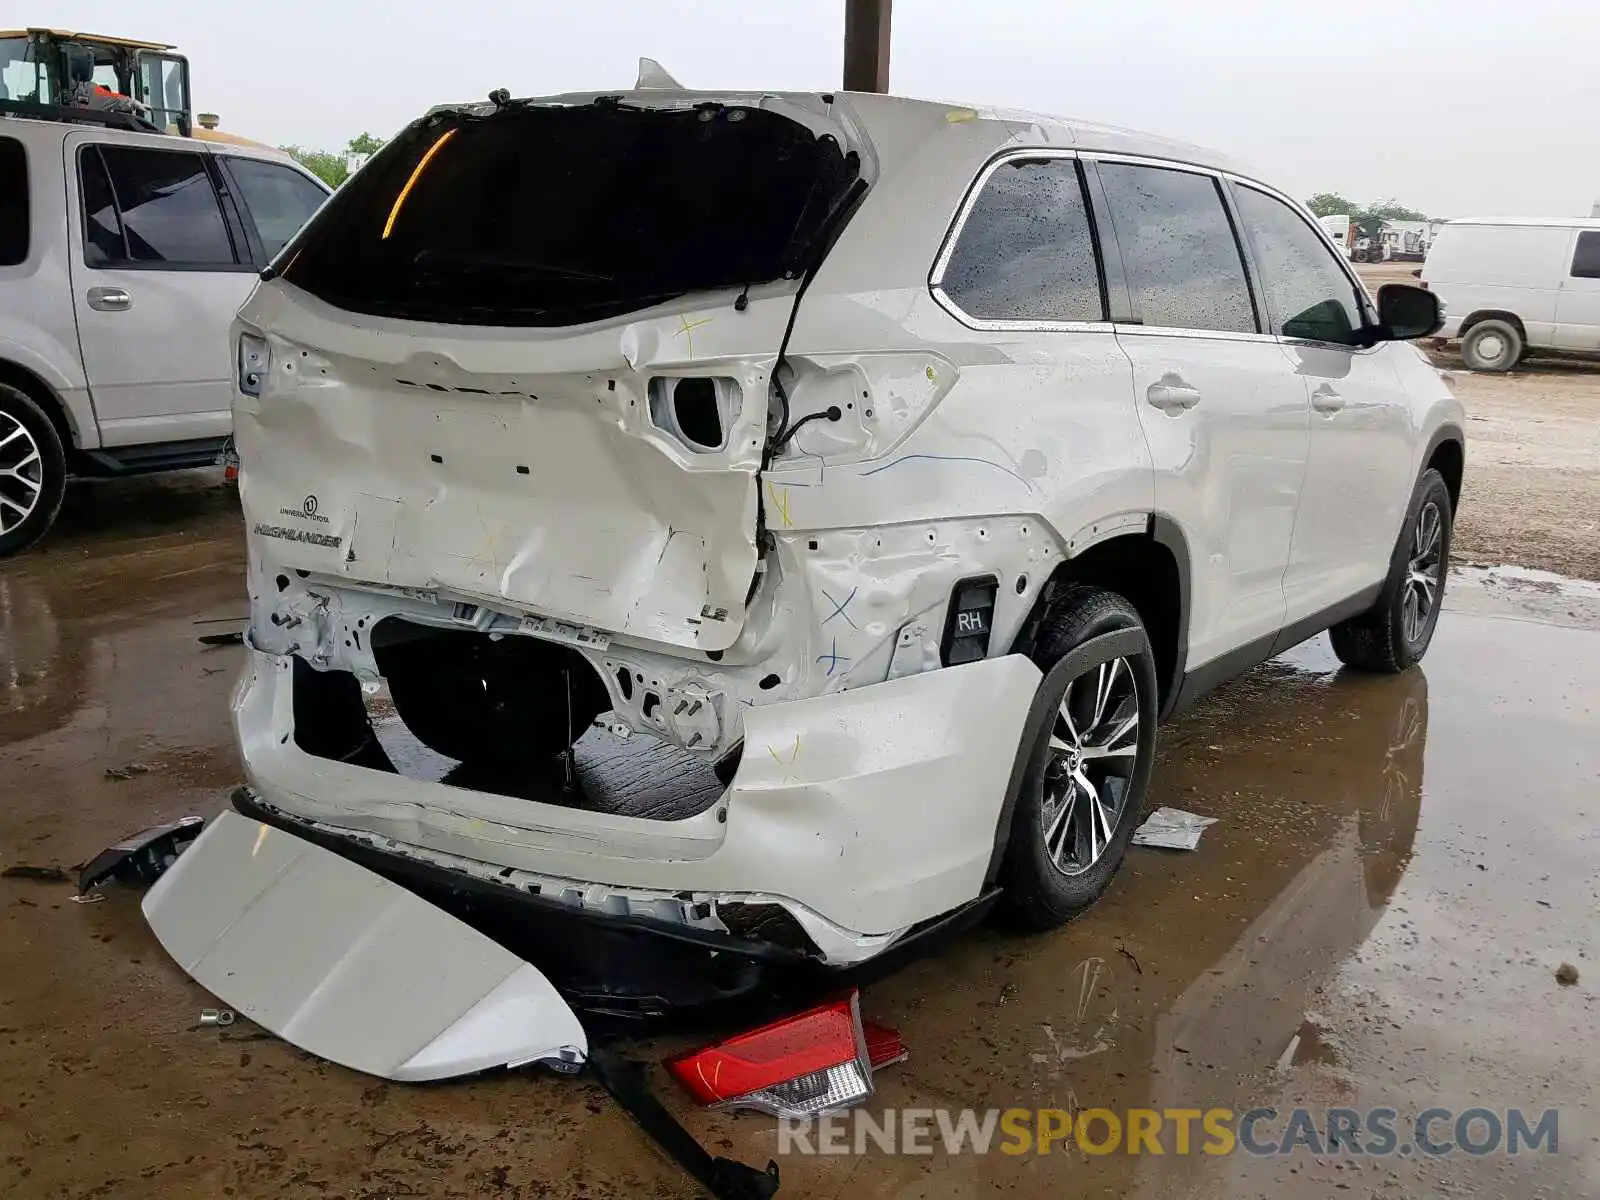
[1493, 314]
[1151, 569]
[1447, 454]
[30, 384]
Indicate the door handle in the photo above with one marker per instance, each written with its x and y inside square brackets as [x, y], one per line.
[1326, 400]
[1172, 395]
[109, 299]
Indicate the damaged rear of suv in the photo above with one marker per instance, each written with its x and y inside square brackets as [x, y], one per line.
[649, 521]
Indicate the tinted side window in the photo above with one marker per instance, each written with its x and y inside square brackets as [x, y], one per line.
[1308, 294]
[168, 207]
[1586, 261]
[1178, 249]
[1025, 252]
[278, 199]
[13, 202]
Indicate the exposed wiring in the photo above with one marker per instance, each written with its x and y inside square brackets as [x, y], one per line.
[831, 413]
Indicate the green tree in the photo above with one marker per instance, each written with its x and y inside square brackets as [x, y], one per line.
[1391, 210]
[328, 166]
[324, 164]
[1331, 204]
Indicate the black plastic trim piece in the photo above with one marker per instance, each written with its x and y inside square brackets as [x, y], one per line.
[151, 456]
[1119, 298]
[990, 581]
[1167, 532]
[1119, 644]
[1236, 662]
[401, 869]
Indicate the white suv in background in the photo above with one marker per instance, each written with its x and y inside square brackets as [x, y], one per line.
[783, 519]
[123, 258]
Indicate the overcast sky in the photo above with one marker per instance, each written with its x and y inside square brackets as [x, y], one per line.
[1455, 107]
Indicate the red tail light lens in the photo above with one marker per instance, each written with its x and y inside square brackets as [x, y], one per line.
[814, 1062]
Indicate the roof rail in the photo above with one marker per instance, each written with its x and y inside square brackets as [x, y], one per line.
[73, 115]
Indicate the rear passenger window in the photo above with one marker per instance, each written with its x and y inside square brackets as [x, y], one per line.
[1178, 249]
[165, 204]
[1025, 252]
[1586, 260]
[278, 198]
[13, 202]
[1308, 294]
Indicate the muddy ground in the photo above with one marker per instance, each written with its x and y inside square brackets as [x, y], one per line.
[1532, 492]
[1398, 869]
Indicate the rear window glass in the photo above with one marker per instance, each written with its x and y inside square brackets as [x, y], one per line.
[1586, 259]
[1025, 252]
[538, 215]
[13, 202]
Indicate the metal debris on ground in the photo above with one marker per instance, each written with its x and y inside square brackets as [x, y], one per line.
[216, 1016]
[37, 874]
[1566, 974]
[128, 772]
[1172, 829]
[235, 638]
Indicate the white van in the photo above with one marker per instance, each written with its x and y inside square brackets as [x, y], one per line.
[1511, 285]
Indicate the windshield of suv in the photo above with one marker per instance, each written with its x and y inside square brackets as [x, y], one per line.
[20, 77]
[536, 215]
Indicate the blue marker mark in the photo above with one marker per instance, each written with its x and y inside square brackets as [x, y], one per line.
[840, 606]
[950, 458]
[832, 658]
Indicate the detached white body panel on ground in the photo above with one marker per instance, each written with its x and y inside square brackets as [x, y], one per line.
[346, 965]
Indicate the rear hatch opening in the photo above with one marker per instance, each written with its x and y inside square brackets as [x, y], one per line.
[464, 376]
[527, 214]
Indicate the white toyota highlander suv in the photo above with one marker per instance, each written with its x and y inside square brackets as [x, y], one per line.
[123, 258]
[777, 522]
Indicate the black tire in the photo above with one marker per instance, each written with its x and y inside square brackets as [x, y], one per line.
[1045, 882]
[33, 471]
[1387, 638]
[1492, 345]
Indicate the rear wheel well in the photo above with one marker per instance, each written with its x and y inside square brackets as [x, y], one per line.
[1450, 460]
[1491, 314]
[1145, 572]
[42, 394]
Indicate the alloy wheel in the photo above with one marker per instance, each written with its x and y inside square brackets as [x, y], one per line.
[1094, 747]
[1425, 572]
[21, 473]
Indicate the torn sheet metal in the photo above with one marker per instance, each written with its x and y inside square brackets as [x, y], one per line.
[1172, 829]
[348, 966]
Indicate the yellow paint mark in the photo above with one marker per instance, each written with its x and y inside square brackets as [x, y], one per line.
[687, 327]
[781, 503]
[787, 764]
[957, 115]
[261, 836]
[416, 173]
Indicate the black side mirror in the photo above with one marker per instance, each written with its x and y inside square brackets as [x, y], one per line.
[1406, 312]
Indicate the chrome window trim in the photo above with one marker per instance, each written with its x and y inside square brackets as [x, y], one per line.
[1221, 335]
[953, 234]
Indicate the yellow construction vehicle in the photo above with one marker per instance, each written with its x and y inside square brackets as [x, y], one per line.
[122, 82]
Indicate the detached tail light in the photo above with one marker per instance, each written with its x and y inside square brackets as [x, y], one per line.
[815, 1062]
